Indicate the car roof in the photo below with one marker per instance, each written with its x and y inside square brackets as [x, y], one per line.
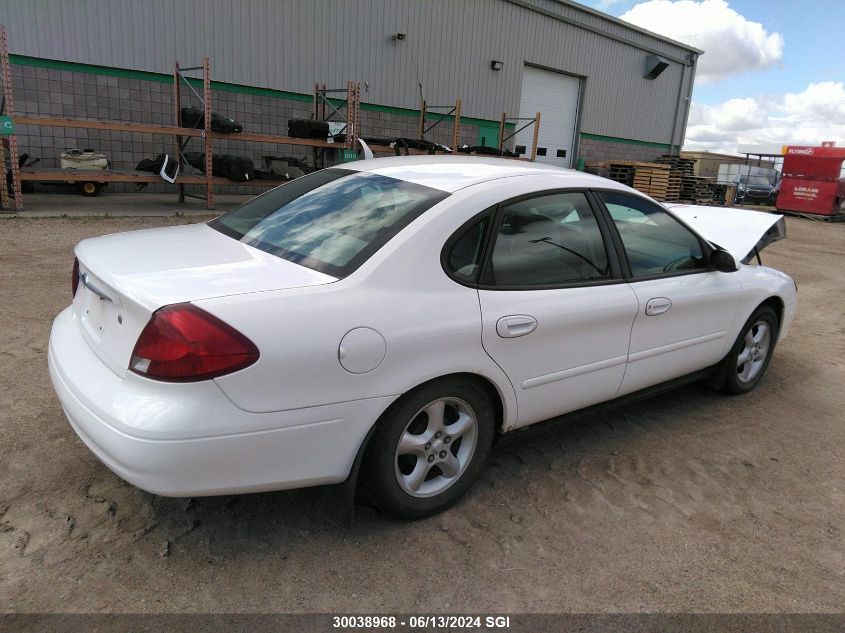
[450, 173]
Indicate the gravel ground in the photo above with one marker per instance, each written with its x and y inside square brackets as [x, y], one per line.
[692, 501]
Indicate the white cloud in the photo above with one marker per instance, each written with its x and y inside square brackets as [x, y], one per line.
[731, 43]
[804, 118]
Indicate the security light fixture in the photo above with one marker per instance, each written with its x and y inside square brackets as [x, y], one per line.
[398, 37]
[496, 64]
[654, 65]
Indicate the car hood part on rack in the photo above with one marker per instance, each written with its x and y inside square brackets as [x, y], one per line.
[741, 232]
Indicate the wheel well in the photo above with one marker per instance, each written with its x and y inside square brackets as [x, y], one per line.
[486, 384]
[776, 304]
[493, 394]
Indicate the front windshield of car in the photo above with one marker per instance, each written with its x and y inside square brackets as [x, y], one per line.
[332, 220]
[756, 181]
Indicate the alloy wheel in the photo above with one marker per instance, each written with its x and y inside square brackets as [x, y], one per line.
[752, 357]
[436, 447]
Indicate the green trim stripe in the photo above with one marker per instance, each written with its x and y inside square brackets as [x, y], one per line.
[626, 141]
[24, 60]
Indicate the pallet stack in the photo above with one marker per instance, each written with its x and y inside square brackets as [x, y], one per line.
[621, 171]
[651, 178]
[683, 166]
[689, 187]
[673, 190]
[696, 189]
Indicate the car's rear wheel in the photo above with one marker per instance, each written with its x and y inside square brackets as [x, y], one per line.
[429, 448]
[752, 352]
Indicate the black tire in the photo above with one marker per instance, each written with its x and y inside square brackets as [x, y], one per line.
[383, 466]
[89, 189]
[734, 381]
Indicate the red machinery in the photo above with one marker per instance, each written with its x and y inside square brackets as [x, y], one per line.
[812, 181]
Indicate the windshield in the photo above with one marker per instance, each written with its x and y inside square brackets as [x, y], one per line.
[331, 221]
[757, 181]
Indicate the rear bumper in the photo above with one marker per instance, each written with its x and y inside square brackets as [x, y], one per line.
[190, 440]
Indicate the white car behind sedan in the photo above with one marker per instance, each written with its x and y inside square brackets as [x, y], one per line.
[401, 314]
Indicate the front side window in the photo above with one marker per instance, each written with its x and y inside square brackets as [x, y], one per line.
[331, 221]
[654, 241]
[548, 240]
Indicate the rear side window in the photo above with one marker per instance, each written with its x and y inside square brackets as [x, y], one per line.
[464, 258]
[331, 221]
[654, 241]
[547, 240]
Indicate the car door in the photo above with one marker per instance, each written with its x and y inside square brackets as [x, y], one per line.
[686, 309]
[556, 314]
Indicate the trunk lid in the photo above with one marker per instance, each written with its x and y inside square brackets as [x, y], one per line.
[126, 277]
[741, 232]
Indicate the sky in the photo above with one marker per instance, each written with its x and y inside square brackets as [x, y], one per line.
[772, 73]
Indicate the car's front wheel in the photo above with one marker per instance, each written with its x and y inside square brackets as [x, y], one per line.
[750, 355]
[429, 448]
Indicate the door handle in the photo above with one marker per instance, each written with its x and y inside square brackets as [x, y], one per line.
[515, 325]
[658, 305]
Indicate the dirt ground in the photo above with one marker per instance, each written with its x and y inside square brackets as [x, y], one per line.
[692, 501]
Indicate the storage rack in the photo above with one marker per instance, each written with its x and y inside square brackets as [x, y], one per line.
[323, 109]
[505, 120]
[426, 113]
[347, 112]
[453, 110]
[8, 108]
[179, 78]
[180, 134]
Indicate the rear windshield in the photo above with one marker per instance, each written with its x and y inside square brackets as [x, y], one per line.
[331, 221]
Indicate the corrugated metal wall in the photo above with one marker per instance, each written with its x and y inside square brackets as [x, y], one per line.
[290, 44]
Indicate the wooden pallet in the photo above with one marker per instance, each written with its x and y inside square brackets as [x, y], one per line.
[696, 189]
[623, 174]
[683, 165]
[683, 183]
[654, 183]
[650, 178]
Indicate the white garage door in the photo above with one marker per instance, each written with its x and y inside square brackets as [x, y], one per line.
[555, 97]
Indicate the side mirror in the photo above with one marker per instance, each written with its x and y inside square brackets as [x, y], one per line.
[722, 261]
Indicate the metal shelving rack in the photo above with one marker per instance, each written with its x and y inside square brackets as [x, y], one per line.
[325, 107]
[181, 135]
[423, 128]
[535, 121]
[179, 79]
[450, 110]
[347, 112]
[8, 109]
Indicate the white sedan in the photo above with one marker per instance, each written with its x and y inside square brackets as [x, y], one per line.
[395, 317]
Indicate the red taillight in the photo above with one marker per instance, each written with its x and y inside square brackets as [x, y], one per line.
[183, 343]
[74, 282]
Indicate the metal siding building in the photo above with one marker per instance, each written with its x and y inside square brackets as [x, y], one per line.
[287, 46]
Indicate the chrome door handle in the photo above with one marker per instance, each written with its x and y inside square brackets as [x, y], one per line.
[658, 305]
[515, 325]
